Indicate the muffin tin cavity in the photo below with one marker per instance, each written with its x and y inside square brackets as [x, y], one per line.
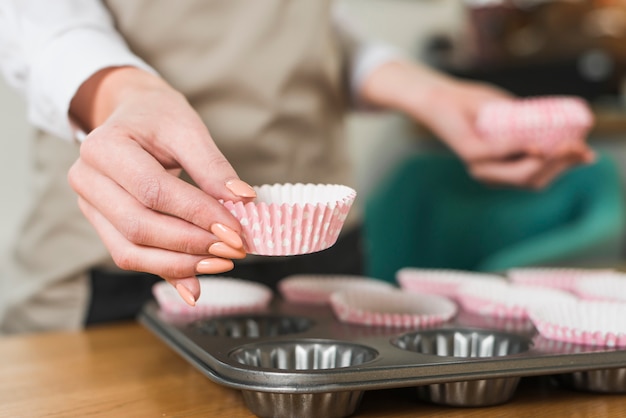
[466, 343]
[260, 326]
[463, 343]
[304, 355]
[604, 381]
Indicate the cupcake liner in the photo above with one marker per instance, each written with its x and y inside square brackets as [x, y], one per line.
[594, 323]
[316, 289]
[393, 308]
[561, 278]
[291, 219]
[608, 287]
[218, 296]
[505, 300]
[439, 281]
[544, 122]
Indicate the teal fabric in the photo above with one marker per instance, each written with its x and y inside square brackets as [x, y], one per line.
[430, 213]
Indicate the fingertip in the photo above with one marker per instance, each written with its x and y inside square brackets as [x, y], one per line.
[240, 188]
[186, 294]
[227, 235]
[214, 265]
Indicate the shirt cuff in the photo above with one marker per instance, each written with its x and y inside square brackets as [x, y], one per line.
[369, 57]
[57, 75]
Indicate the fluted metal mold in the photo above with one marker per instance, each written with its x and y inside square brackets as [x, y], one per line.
[464, 343]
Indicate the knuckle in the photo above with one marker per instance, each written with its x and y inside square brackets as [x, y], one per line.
[73, 177]
[134, 230]
[150, 191]
[177, 270]
[125, 260]
[219, 163]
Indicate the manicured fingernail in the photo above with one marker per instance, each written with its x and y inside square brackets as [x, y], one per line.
[227, 235]
[240, 188]
[186, 294]
[214, 266]
[221, 249]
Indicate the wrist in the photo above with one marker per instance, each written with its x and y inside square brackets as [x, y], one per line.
[98, 97]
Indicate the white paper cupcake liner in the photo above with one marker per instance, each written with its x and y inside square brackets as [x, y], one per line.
[561, 278]
[544, 122]
[609, 287]
[593, 323]
[218, 296]
[393, 308]
[505, 300]
[316, 289]
[442, 282]
[291, 219]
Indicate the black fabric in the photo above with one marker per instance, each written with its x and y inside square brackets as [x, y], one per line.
[119, 296]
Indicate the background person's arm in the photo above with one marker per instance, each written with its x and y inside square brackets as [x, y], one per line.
[381, 77]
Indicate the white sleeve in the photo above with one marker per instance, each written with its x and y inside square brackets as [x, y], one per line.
[368, 55]
[49, 48]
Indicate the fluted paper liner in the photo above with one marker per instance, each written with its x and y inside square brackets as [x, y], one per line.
[218, 295]
[445, 282]
[393, 308]
[585, 322]
[543, 121]
[292, 219]
[609, 287]
[562, 278]
[317, 289]
[505, 300]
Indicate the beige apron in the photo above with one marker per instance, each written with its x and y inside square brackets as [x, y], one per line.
[268, 79]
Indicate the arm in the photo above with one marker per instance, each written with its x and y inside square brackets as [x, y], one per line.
[381, 77]
[448, 107]
[68, 61]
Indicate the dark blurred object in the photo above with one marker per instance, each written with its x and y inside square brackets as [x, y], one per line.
[534, 47]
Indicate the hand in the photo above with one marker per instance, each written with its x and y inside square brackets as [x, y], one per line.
[144, 133]
[448, 107]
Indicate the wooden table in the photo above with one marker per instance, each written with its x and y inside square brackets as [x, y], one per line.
[125, 371]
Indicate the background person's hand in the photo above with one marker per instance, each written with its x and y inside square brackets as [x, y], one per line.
[144, 133]
[448, 108]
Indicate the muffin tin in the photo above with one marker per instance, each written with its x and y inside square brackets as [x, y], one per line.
[298, 360]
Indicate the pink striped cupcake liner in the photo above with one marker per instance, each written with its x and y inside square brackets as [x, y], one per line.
[317, 289]
[292, 219]
[561, 278]
[608, 287]
[218, 296]
[393, 308]
[444, 282]
[505, 300]
[594, 323]
[544, 122]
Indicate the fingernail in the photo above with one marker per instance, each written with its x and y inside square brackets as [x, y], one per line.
[221, 249]
[227, 235]
[186, 294]
[214, 265]
[240, 188]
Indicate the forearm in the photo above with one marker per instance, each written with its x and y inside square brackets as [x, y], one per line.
[406, 87]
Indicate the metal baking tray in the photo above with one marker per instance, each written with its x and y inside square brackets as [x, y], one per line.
[296, 360]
